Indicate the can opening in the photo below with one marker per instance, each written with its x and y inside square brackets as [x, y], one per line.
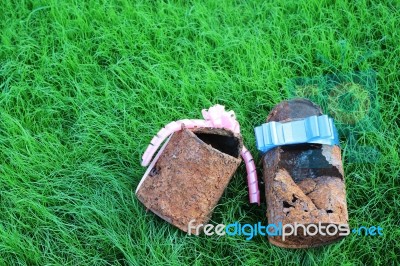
[227, 144]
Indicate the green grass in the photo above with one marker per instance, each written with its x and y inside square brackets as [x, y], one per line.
[84, 85]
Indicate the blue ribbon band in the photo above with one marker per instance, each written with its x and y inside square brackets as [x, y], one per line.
[313, 129]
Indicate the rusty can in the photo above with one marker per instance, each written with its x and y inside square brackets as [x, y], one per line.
[184, 184]
[304, 184]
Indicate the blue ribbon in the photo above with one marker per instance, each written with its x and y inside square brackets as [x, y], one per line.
[313, 129]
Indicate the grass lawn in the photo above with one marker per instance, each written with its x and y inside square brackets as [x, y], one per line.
[84, 85]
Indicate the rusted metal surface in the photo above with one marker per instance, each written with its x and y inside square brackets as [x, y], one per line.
[304, 183]
[190, 176]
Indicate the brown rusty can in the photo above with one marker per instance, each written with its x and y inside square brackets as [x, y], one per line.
[189, 177]
[304, 184]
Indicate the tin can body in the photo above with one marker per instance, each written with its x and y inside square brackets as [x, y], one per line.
[190, 176]
[304, 184]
